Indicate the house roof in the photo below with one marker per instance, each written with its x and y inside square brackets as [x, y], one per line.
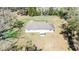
[39, 26]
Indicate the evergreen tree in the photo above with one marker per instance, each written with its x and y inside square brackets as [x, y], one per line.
[32, 11]
[51, 11]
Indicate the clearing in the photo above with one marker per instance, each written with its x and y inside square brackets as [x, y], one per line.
[51, 41]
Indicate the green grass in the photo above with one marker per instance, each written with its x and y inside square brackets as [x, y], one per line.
[26, 19]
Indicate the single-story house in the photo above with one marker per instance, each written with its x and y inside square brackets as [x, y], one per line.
[39, 27]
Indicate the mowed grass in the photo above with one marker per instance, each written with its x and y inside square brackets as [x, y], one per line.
[51, 41]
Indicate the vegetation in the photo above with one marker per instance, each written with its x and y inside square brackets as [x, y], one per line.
[10, 26]
[52, 11]
[10, 33]
[29, 47]
[18, 24]
[71, 34]
[32, 11]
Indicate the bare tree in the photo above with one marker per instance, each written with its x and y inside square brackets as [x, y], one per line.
[7, 18]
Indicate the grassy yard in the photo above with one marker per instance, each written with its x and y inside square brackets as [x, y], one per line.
[51, 41]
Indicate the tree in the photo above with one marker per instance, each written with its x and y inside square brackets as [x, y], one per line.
[73, 25]
[32, 11]
[22, 11]
[51, 11]
[71, 33]
[7, 20]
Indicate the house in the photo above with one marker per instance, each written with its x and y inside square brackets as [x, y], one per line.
[39, 27]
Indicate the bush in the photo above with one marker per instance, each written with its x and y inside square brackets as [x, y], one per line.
[10, 33]
[22, 12]
[18, 24]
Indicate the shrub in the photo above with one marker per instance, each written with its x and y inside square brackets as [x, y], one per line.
[12, 33]
[18, 24]
[22, 12]
[73, 24]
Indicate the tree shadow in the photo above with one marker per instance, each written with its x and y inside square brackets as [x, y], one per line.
[71, 43]
[67, 34]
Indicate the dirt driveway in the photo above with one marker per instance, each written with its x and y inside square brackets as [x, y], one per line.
[50, 42]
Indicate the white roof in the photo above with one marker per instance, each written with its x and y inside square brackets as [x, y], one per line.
[39, 26]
